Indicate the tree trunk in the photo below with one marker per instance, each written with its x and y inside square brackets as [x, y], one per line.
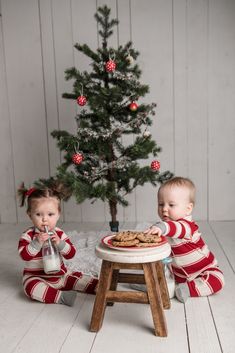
[113, 210]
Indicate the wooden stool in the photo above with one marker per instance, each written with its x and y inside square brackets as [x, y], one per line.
[153, 275]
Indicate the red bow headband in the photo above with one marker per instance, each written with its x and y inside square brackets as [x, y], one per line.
[30, 191]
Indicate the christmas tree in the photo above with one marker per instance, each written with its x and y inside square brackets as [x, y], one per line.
[97, 163]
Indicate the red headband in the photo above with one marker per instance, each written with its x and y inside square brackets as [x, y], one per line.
[30, 191]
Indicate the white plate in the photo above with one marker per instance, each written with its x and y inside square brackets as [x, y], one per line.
[107, 242]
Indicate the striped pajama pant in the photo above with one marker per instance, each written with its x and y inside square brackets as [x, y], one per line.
[208, 282]
[49, 289]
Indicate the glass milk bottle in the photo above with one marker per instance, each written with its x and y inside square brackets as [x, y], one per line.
[169, 276]
[50, 256]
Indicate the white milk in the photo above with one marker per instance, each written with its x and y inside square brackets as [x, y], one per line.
[51, 264]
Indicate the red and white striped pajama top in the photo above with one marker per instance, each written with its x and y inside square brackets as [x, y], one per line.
[192, 261]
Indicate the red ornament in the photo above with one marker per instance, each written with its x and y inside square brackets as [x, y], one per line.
[81, 100]
[155, 165]
[110, 66]
[133, 106]
[77, 158]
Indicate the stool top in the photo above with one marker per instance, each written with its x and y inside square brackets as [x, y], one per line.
[143, 256]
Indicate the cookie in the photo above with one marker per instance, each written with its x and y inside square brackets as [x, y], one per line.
[133, 242]
[125, 236]
[151, 238]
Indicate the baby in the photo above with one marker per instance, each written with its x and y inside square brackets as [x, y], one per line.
[43, 208]
[194, 266]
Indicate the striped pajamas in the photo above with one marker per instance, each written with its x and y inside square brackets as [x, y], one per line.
[48, 288]
[193, 263]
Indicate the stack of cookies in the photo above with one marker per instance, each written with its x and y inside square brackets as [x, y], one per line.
[132, 238]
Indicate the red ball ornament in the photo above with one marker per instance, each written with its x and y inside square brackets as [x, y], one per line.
[81, 100]
[133, 106]
[155, 165]
[77, 158]
[110, 66]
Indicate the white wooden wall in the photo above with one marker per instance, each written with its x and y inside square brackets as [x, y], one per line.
[187, 54]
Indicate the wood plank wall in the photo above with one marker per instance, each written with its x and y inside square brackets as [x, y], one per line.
[187, 55]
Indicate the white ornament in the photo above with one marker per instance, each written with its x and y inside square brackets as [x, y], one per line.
[146, 134]
[129, 59]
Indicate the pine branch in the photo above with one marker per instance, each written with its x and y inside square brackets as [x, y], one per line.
[102, 18]
[85, 49]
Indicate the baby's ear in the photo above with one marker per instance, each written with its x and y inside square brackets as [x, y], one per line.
[189, 208]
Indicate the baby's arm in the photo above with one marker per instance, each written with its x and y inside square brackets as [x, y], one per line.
[174, 229]
[156, 229]
[65, 246]
[28, 248]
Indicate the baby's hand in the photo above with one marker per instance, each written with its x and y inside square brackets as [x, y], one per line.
[55, 238]
[153, 230]
[42, 237]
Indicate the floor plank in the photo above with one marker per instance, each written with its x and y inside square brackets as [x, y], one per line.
[201, 328]
[224, 232]
[59, 320]
[17, 318]
[129, 328]
[222, 305]
[80, 339]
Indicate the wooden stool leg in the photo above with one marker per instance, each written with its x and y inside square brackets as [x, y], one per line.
[155, 299]
[114, 284]
[100, 300]
[163, 285]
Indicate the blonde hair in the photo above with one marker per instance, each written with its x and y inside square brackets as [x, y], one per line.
[181, 182]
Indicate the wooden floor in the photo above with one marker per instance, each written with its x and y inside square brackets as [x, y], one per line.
[203, 325]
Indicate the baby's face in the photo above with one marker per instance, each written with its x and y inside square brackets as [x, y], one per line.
[174, 203]
[45, 212]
